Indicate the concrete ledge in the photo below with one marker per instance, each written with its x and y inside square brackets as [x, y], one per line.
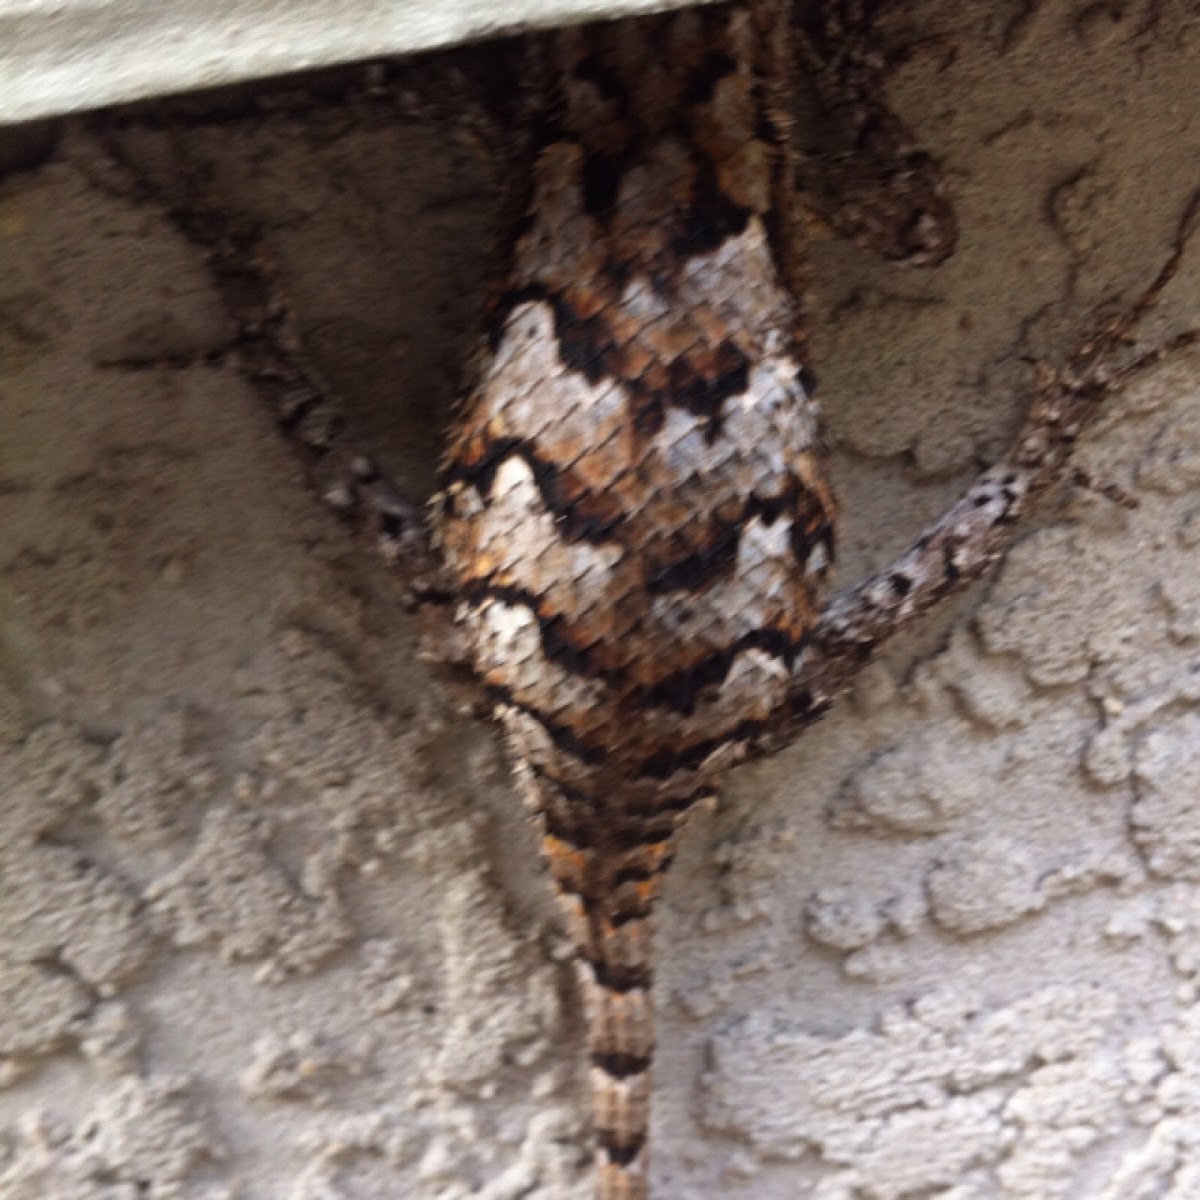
[59, 57]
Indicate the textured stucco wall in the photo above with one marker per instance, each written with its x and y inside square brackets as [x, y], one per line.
[272, 924]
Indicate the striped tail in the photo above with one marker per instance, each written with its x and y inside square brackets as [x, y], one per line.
[620, 1042]
[609, 874]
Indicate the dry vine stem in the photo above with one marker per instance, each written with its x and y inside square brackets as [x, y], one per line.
[635, 515]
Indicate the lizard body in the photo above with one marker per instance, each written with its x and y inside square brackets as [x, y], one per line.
[635, 509]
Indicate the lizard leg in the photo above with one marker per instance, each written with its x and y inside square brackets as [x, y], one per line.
[979, 528]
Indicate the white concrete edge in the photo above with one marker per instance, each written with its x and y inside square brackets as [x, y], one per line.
[60, 56]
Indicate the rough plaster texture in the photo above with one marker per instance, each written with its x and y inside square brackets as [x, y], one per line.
[273, 925]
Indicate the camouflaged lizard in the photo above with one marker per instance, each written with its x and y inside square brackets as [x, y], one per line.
[635, 510]
[635, 516]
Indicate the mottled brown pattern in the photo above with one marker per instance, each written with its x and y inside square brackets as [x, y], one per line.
[616, 737]
[635, 508]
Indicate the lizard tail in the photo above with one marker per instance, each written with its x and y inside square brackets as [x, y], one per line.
[620, 1043]
[609, 857]
[608, 898]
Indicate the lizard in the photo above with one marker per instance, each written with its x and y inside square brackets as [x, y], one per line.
[635, 520]
[636, 515]
[635, 510]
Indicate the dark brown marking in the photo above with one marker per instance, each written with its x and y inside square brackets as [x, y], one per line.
[664, 762]
[806, 537]
[585, 344]
[711, 218]
[715, 558]
[702, 391]
[703, 81]
[618, 1152]
[683, 689]
[565, 738]
[614, 977]
[601, 184]
[620, 1066]
[582, 514]
[607, 82]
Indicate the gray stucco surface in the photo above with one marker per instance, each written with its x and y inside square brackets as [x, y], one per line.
[272, 923]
